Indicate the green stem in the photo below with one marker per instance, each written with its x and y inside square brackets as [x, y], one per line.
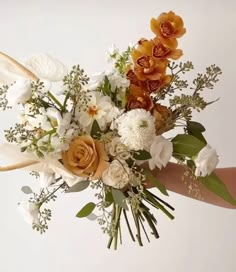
[55, 100]
[128, 225]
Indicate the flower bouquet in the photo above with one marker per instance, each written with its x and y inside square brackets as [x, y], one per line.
[106, 132]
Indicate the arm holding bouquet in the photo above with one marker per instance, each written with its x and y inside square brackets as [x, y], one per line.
[172, 177]
[106, 133]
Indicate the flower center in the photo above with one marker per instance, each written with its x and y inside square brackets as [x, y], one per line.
[92, 111]
[160, 51]
[167, 28]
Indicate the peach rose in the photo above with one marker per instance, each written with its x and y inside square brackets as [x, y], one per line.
[86, 157]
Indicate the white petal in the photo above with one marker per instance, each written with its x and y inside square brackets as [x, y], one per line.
[46, 67]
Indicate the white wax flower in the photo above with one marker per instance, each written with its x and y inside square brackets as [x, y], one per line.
[161, 151]
[29, 211]
[137, 129]
[19, 92]
[206, 161]
[117, 175]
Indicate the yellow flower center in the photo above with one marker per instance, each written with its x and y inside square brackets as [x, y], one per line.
[92, 110]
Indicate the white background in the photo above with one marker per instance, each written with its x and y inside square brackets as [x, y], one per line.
[202, 237]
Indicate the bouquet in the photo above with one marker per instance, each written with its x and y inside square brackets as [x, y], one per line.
[107, 132]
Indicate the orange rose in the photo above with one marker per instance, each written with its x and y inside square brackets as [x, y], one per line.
[138, 99]
[168, 27]
[86, 157]
[163, 118]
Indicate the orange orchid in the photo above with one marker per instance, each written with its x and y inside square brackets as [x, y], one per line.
[159, 50]
[155, 85]
[168, 27]
[145, 65]
[138, 99]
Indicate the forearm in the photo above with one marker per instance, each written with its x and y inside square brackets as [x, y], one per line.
[172, 177]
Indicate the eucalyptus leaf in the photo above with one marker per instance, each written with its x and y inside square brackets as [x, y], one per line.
[119, 198]
[142, 155]
[196, 129]
[215, 185]
[92, 216]
[95, 130]
[187, 145]
[86, 210]
[27, 190]
[148, 174]
[78, 187]
[109, 198]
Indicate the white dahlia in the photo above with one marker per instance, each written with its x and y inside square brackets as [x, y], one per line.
[137, 129]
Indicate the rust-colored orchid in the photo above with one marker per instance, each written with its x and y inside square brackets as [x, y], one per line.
[138, 99]
[160, 51]
[145, 65]
[168, 27]
[164, 120]
[151, 86]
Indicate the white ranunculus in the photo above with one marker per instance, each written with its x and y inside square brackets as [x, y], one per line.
[30, 212]
[19, 92]
[161, 151]
[46, 67]
[206, 161]
[117, 175]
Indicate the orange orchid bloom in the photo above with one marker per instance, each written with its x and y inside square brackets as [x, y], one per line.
[159, 50]
[138, 99]
[168, 27]
[155, 85]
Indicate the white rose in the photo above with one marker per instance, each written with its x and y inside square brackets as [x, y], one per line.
[117, 149]
[30, 212]
[19, 92]
[117, 175]
[206, 161]
[161, 151]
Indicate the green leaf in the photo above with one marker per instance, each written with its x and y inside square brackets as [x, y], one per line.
[27, 190]
[95, 131]
[187, 145]
[119, 198]
[196, 129]
[86, 210]
[215, 185]
[148, 174]
[78, 187]
[107, 86]
[109, 198]
[142, 155]
[192, 125]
